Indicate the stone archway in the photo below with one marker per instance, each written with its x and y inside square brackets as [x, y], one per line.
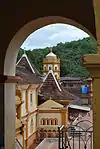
[25, 31]
[9, 68]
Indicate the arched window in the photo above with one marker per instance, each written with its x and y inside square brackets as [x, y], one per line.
[56, 122]
[48, 122]
[55, 67]
[42, 121]
[50, 67]
[51, 121]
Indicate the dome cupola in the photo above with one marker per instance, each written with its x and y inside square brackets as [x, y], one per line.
[51, 55]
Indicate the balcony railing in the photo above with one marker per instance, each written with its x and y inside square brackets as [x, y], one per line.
[18, 144]
[75, 136]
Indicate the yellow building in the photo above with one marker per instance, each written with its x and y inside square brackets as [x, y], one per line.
[51, 62]
[26, 102]
[51, 114]
[53, 104]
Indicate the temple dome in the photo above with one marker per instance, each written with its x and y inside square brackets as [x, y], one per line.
[51, 55]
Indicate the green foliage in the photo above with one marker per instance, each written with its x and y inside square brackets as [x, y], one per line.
[70, 54]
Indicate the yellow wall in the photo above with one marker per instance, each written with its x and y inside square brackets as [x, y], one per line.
[28, 111]
[54, 63]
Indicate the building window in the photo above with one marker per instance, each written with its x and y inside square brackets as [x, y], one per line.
[46, 121]
[42, 121]
[51, 121]
[31, 99]
[56, 68]
[50, 67]
[56, 122]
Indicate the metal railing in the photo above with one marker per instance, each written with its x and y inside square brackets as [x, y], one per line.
[75, 137]
[18, 144]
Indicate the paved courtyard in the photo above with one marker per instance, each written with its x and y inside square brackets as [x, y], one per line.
[48, 144]
[53, 144]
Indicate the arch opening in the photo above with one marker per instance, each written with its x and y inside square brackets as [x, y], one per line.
[15, 44]
[25, 31]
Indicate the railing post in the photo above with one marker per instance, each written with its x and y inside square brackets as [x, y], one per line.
[65, 136]
[58, 137]
[62, 138]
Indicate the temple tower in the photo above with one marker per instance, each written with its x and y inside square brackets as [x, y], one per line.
[51, 62]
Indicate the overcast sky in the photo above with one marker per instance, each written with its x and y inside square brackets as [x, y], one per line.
[51, 35]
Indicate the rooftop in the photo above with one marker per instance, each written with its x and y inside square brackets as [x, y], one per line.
[49, 104]
[51, 89]
[26, 70]
[51, 55]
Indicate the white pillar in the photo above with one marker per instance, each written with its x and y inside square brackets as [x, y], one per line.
[9, 115]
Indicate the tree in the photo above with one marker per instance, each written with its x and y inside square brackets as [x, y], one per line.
[70, 54]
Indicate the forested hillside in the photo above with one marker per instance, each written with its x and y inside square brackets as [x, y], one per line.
[70, 54]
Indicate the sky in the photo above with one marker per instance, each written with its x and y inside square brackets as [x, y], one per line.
[50, 35]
